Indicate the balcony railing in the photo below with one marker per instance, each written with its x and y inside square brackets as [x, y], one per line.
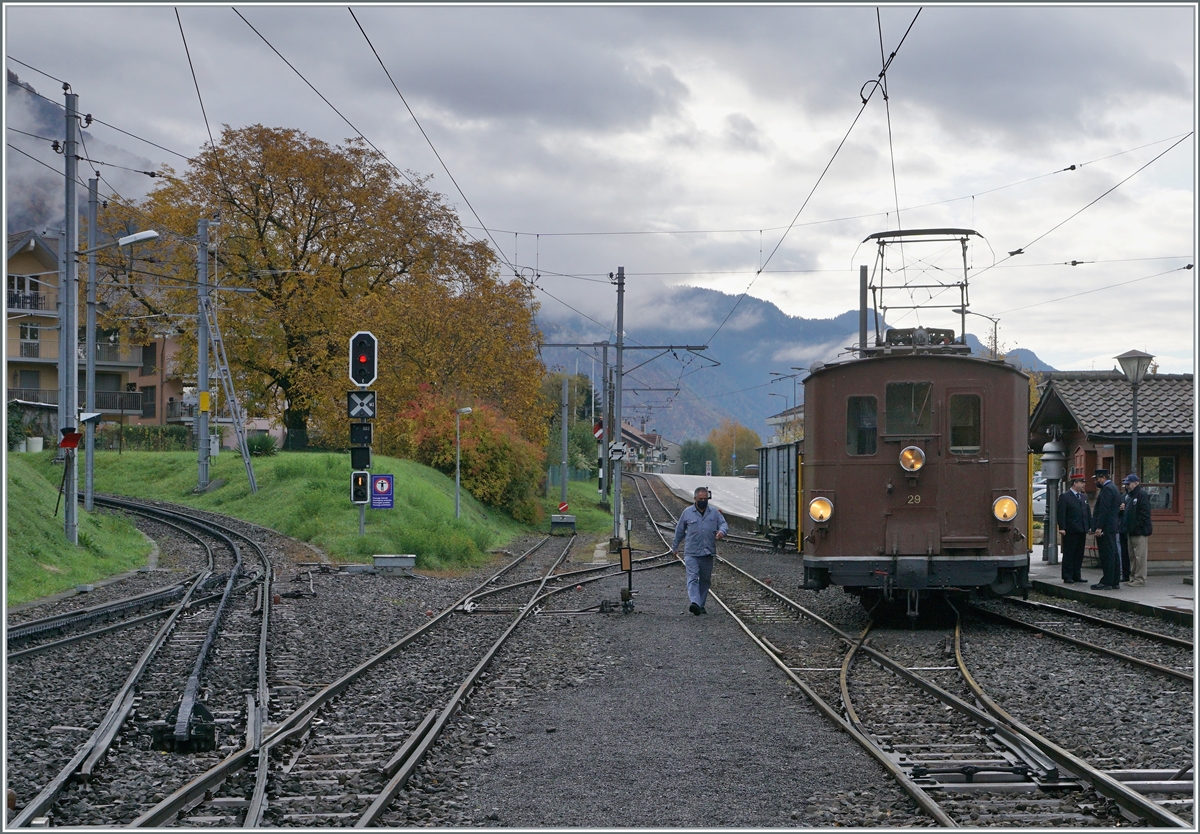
[129, 402]
[114, 354]
[181, 411]
[34, 395]
[34, 349]
[27, 300]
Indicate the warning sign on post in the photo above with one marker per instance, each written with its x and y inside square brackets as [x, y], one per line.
[381, 492]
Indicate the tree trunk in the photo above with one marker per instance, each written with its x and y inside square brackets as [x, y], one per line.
[295, 422]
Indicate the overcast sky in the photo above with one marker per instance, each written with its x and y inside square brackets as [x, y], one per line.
[681, 142]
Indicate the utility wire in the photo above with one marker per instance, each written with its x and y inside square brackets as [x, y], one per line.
[865, 100]
[426, 135]
[1021, 250]
[211, 142]
[38, 71]
[1097, 289]
[32, 135]
[323, 98]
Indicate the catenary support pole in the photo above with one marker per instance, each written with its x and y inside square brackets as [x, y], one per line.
[68, 364]
[90, 348]
[616, 471]
[565, 407]
[202, 356]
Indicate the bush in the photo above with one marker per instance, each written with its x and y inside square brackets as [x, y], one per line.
[261, 446]
[145, 438]
[16, 427]
[499, 467]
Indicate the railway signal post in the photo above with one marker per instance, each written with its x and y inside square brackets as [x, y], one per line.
[361, 407]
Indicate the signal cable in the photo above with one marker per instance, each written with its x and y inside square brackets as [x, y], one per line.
[423, 133]
[31, 135]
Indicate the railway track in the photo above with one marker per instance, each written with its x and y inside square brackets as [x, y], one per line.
[917, 714]
[1153, 650]
[173, 696]
[341, 756]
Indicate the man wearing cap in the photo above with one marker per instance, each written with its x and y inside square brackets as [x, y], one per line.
[1105, 524]
[1074, 521]
[1137, 523]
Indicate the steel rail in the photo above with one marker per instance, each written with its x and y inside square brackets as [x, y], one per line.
[1092, 618]
[923, 800]
[32, 628]
[1066, 638]
[1128, 799]
[172, 804]
[417, 751]
[119, 709]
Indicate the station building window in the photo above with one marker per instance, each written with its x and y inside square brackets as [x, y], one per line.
[909, 408]
[861, 422]
[964, 424]
[1158, 479]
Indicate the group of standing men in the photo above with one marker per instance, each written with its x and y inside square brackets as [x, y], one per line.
[1111, 517]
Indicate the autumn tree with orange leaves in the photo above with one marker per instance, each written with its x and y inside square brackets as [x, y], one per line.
[317, 241]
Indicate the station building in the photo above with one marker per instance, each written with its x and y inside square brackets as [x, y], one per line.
[1093, 410]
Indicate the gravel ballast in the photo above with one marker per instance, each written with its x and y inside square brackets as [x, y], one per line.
[655, 718]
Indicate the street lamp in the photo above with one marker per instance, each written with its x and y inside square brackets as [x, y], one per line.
[1134, 365]
[458, 457]
[792, 377]
[963, 311]
[71, 510]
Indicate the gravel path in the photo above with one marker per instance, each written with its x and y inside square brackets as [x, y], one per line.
[656, 718]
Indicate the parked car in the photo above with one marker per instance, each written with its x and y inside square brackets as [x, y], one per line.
[1039, 501]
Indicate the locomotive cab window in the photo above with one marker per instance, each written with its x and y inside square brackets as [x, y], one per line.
[909, 408]
[861, 421]
[964, 424]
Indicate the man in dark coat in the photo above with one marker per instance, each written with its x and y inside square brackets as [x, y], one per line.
[1106, 524]
[1138, 526]
[1074, 521]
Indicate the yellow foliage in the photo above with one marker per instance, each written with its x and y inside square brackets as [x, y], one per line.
[320, 241]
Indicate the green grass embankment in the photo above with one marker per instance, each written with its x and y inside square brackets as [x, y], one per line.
[38, 559]
[302, 495]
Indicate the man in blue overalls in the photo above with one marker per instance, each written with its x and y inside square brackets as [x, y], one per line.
[703, 526]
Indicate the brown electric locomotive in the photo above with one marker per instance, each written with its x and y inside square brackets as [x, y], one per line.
[915, 472]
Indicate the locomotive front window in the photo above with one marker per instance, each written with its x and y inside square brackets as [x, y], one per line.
[964, 424]
[861, 421]
[909, 408]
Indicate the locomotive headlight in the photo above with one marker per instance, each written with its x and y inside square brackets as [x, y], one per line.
[1004, 508]
[820, 509]
[912, 458]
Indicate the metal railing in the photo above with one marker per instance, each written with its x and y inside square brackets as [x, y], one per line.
[46, 348]
[181, 411]
[33, 395]
[130, 402]
[27, 300]
[116, 354]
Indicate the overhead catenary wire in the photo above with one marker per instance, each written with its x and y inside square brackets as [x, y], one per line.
[828, 165]
[417, 122]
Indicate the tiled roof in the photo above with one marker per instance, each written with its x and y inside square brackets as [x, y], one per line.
[1102, 402]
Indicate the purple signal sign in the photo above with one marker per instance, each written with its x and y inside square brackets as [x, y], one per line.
[381, 492]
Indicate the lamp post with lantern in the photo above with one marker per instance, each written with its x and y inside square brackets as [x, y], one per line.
[1134, 364]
